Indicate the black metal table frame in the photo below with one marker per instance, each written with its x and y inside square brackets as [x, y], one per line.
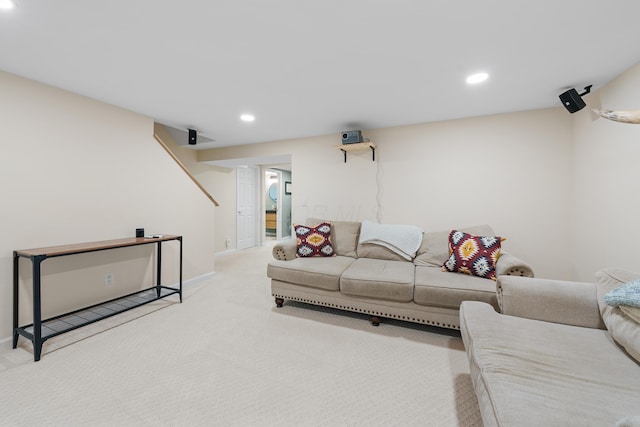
[36, 337]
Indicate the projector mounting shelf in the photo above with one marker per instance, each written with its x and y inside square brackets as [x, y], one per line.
[359, 146]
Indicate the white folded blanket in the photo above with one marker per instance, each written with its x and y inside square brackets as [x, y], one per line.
[405, 240]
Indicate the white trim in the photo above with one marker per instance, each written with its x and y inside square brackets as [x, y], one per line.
[228, 251]
[197, 279]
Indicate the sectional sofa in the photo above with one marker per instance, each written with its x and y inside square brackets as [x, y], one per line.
[372, 279]
[557, 355]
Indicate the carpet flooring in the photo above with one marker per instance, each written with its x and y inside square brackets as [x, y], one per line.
[227, 356]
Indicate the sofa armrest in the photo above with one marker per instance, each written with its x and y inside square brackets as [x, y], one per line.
[557, 301]
[513, 266]
[285, 250]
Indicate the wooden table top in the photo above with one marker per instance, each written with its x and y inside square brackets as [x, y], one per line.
[51, 251]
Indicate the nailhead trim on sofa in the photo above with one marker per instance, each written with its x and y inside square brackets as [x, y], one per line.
[371, 312]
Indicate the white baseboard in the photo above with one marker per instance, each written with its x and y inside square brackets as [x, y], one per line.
[227, 252]
[198, 279]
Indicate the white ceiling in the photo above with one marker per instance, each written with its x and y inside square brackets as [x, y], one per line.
[307, 68]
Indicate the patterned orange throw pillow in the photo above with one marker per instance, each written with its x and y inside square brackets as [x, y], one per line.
[314, 241]
[474, 255]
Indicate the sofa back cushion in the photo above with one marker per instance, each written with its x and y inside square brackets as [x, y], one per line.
[374, 251]
[622, 328]
[403, 240]
[344, 235]
[434, 250]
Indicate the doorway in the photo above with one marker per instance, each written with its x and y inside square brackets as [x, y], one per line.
[277, 203]
[272, 184]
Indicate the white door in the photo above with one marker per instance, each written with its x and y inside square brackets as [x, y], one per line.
[247, 207]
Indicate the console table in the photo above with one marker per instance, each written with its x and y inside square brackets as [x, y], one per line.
[41, 330]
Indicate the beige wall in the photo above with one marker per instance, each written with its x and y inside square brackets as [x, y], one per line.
[224, 185]
[75, 170]
[606, 181]
[219, 182]
[562, 188]
[512, 171]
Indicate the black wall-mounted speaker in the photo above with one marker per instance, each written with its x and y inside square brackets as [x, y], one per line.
[572, 101]
[193, 136]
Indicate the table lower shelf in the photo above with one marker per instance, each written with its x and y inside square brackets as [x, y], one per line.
[77, 319]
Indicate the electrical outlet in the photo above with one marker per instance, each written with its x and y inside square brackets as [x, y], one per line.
[228, 242]
[108, 279]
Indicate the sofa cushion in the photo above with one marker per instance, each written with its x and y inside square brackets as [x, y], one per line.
[437, 288]
[474, 255]
[373, 251]
[631, 312]
[624, 330]
[534, 373]
[376, 278]
[314, 240]
[316, 272]
[435, 246]
[344, 235]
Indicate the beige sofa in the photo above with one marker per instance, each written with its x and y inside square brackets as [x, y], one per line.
[558, 355]
[371, 279]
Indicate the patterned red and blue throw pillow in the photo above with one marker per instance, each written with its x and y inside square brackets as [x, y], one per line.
[474, 255]
[314, 241]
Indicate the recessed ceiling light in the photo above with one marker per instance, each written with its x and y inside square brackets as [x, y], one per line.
[247, 117]
[477, 78]
[6, 4]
